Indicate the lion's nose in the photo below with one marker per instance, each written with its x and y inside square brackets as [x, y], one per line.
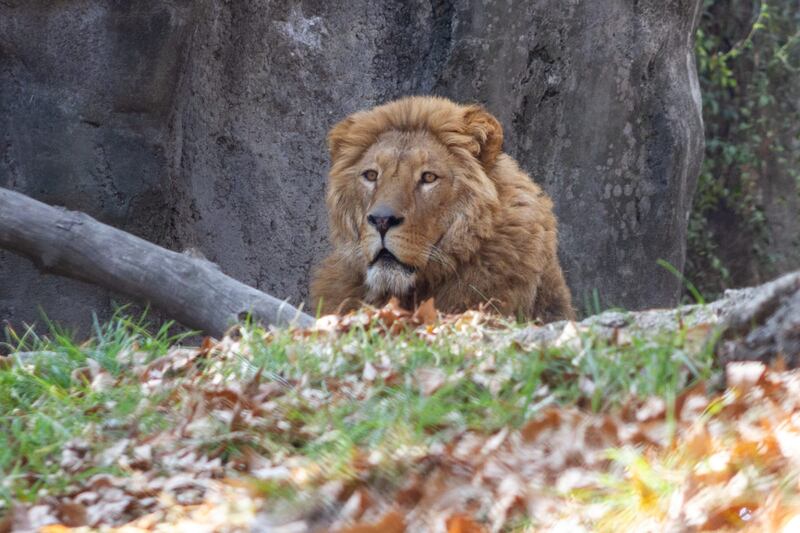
[383, 218]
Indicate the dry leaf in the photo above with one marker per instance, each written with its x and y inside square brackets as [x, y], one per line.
[55, 528]
[391, 522]
[548, 419]
[369, 373]
[426, 312]
[463, 524]
[72, 514]
[430, 380]
[744, 374]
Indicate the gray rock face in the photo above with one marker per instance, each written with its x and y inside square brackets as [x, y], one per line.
[86, 97]
[601, 104]
[201, 124]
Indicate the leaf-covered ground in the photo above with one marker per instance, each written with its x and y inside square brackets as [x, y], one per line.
[387, 421]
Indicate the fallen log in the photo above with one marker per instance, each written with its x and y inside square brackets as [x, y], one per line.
[759, 323]
[191, 290]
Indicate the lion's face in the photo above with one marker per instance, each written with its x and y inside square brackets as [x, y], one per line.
[404, 184]
[408, 202]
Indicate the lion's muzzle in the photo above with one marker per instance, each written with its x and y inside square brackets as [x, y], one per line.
[383, 218]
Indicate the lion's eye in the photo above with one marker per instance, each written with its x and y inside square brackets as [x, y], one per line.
[370, 175]
[428, 177]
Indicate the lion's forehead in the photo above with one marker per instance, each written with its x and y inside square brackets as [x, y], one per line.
[391, 156]
[411, 147]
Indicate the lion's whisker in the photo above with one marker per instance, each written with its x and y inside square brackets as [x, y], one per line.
[434, 253]
[351, 249]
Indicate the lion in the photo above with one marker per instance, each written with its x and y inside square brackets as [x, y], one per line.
[422, 203]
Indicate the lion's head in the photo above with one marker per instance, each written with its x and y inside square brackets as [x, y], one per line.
[409, 191]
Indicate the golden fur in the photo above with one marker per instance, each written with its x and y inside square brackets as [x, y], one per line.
[481, 231]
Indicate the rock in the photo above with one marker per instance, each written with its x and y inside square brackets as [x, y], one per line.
[87, 91]
[754, 324]
[765, 325]
[600, 102]
[201, 124]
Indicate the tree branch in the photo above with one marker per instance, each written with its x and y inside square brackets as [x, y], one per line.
[191, 290]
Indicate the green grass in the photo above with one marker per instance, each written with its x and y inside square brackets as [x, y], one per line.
[325, 411]
[45, 404]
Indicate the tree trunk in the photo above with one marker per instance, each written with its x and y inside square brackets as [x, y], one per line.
[193, 291]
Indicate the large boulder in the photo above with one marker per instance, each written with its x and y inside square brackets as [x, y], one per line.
[201, 124]
[601, 104]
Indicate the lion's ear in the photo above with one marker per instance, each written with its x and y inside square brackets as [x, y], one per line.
[337, 137]
[487, 131]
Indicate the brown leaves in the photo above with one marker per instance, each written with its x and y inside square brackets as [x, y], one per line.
[425, 313]
[719, 463]
[234, 445]
[391, 317]
[463, 524]
[392, 522]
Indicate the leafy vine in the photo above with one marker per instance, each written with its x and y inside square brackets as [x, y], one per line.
[751, 108]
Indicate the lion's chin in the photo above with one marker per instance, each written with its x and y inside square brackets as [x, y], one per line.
[389, 279]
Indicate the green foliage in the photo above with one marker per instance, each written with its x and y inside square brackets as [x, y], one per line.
[688, 285]
[751, 115]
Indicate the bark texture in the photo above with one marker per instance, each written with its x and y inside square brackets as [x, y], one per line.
[759, 323]
[189, 289]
